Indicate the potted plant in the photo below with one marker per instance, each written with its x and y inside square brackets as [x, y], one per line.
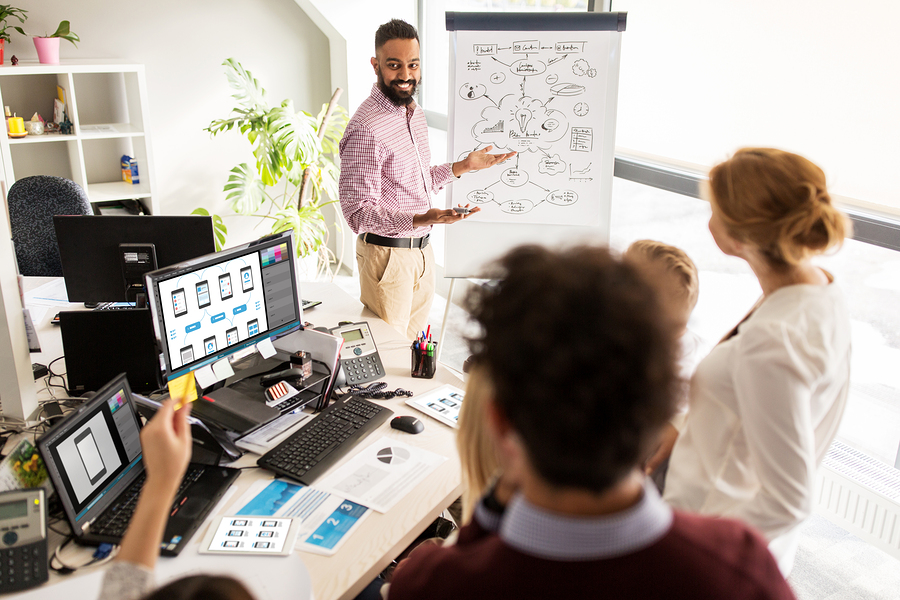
[48, 45]
[8, 12]
[294, 173]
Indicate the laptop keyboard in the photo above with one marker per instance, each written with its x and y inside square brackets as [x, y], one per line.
[114, 520]
[329, 436]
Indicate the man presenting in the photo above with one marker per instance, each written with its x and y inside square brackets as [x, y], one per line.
[387, 181]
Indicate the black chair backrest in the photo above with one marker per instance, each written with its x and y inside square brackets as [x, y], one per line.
[32, 203]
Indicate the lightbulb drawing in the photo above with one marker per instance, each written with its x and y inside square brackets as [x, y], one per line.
[523, 115]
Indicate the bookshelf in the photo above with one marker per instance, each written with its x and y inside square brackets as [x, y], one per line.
[107, 105]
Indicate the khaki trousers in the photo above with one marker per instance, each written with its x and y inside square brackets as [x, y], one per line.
[397, 284]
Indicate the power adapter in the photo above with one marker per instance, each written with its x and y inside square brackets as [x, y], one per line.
[39, 370]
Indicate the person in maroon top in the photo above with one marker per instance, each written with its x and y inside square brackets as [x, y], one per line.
[582, 362]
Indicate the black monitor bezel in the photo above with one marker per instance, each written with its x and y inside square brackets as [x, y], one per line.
[99, 499]
[152, 280]
[88, 248]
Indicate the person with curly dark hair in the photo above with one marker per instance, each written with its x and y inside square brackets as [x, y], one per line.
[581, 359]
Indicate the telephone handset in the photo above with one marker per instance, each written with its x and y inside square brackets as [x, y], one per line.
[360, 361]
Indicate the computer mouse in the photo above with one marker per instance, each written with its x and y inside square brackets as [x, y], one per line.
[408, 423]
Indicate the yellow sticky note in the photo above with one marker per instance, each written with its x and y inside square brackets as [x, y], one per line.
[184, 389]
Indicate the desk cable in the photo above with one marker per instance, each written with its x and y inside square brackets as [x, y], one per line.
[49, 378]
[103, 554]
[374, 391]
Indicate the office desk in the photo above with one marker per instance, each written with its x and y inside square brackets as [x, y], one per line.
[380, 537]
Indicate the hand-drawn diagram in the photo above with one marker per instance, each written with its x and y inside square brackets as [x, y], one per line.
[544, 98]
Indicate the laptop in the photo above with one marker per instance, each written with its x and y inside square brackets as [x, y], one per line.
[94, 459]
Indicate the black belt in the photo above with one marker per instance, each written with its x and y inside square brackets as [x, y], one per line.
[405, 242]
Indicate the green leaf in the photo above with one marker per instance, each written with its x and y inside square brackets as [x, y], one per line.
[244, 190]
[334, 128]
[310, 229]
[220, 231]
[269, 152]
[65, 33]
[331, 173]
[247, 90]
[296, 133]
[220, 125]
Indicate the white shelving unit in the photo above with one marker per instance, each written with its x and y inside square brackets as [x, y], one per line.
[107, 105]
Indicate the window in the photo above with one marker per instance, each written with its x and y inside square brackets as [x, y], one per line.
[868, 275]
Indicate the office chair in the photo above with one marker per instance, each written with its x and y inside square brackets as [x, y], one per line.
[32, 202]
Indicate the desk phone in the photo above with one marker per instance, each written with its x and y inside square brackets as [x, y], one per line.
[23, 540]
[360, 361]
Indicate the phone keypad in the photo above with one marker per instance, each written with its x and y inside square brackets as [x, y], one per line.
[362, 369]
[23, 567]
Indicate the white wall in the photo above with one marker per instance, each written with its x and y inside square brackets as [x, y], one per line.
[354, 23]
[182, 44]
[350, 28]
[701, 78]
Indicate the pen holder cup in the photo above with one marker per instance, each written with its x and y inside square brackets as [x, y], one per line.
[423, 365]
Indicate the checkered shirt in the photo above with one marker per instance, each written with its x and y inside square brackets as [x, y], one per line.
[386, 172]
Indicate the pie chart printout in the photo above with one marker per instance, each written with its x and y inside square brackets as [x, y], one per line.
[393, 456]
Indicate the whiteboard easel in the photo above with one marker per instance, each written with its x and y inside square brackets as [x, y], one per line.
[545, 85]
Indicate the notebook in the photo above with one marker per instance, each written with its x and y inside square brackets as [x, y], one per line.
[94, 459]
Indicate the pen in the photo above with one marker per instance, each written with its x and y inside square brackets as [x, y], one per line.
[428, 334]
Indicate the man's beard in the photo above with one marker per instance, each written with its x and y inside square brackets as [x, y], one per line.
[397, 97]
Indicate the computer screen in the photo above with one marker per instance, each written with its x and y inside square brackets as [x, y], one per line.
[95, 450]
[209, 307]
[91, 258]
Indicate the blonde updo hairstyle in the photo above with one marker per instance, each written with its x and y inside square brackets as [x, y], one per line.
[778, 202]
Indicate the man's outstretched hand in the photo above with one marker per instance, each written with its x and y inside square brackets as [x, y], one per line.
[441, 216]
[478, 160]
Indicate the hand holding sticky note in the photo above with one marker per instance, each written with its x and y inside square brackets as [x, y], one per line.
[183, 389]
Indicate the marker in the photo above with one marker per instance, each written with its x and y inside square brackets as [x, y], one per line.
[428, 334]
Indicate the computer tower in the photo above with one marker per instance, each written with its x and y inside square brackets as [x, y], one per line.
[100, 344]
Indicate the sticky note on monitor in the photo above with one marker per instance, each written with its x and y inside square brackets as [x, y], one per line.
[266, 348]
[184, 389]
[222, 369]
[205, 376]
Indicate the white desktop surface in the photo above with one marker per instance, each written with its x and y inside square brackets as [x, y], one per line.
[380, 537]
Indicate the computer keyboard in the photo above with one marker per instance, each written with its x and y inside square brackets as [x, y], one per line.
[331, 434]
[115, 519]
[304, 303]
[292, 403]
[115, 306]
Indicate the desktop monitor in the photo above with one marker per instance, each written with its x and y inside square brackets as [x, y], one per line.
[93, 263]
[210, 307]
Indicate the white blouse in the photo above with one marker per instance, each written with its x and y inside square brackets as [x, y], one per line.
[764, 407]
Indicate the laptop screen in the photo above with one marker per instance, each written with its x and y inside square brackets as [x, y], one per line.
[95, 452]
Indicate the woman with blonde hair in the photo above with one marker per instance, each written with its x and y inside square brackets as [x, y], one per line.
[477, 453]
[765, 404]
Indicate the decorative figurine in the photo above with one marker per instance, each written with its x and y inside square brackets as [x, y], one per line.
[14, 60]
[65, 127]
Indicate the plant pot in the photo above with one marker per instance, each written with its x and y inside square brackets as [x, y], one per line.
[47, 50]
[2, 42]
